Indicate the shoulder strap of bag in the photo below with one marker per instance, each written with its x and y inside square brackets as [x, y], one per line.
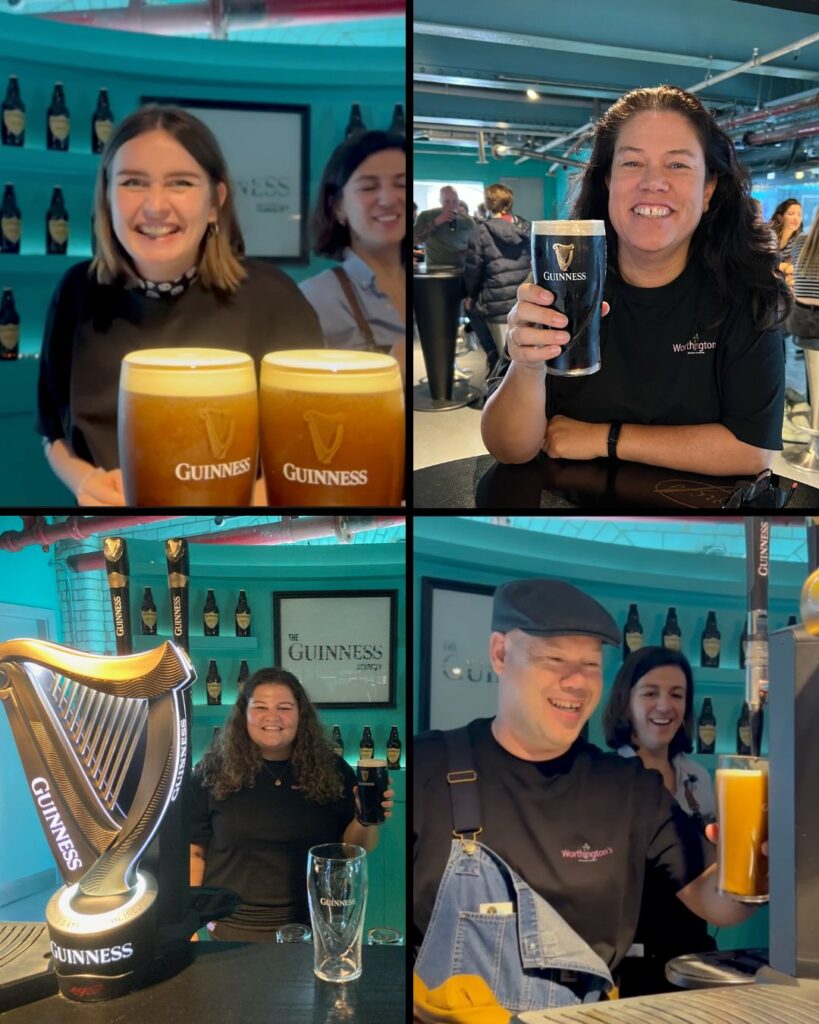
[355, 306]
[463, 785]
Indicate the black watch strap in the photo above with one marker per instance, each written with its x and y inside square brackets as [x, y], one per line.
[614, 436]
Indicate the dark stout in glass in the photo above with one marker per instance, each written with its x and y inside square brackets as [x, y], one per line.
[373, 781]
[569, 260]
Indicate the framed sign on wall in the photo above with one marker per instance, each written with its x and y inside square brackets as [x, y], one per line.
[340, 644]
[267, 149]
[457, 683]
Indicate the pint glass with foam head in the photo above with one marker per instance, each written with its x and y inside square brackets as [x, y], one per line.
[569, 260]
[332, 428]
[188, 427]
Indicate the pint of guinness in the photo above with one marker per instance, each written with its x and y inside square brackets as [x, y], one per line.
[373, 782]
[569, 260]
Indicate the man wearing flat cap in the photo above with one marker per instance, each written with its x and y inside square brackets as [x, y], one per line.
[530, 845]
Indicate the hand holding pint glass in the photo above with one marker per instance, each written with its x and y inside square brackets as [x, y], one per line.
[337, 898]
[188, 427]
[332, 428]
[569, 270]
[373, 783]
[742, 813]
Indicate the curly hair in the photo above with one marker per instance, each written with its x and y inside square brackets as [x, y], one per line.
[233, 761]
[778, 218]
[617, 725]
[729, 241]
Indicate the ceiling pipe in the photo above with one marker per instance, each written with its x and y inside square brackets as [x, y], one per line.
[174, 19]
[289, 530]
[533, 154]
[754, 63]
[791, 131]
[770, 111]
[73, 528]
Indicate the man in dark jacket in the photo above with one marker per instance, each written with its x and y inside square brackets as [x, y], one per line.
[497, 261]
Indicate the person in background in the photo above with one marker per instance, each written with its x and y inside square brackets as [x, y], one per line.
[803, 322]
[360, 220]
[268, 788]
[692, 372]
[497, 261]
[481, 212]
[463, 209]
[787, 226]
[444, 231]
[169, 271]
[650, 715]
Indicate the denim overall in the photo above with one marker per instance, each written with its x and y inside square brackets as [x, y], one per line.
[530, 958]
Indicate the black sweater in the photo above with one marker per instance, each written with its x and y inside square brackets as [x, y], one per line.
[498, 259]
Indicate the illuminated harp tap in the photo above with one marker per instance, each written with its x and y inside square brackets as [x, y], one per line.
[103, 742]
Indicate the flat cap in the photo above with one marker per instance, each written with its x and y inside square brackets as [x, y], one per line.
[545, 607]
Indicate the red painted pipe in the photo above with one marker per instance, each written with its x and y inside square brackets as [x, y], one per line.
[73, 528]
[288, 531]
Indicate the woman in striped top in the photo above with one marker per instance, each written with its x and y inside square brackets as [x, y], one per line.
[803, 321]
[787, 226]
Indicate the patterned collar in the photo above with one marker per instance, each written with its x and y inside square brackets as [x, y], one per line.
[169, 289]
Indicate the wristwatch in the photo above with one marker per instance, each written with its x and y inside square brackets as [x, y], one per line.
[614, 436]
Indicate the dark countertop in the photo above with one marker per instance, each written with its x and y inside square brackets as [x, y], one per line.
[481, 482]
[246, 983]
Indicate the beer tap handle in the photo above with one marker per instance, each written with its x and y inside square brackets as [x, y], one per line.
[757, 542]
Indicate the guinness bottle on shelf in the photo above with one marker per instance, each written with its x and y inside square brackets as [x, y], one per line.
[210, 616]
[706, 729]
[213, 684]
[176, 556]
[9, 327]
[355, 126]
[147, 613]
[14, 115]
[115, 552]
[394, 750]
[102, 123]
[244, 672]
[672, 636]
[792, 620]
[58, 120]
[710, 643]
[366, 747]
[398, 125]
[242, 615]
[633, 637]
[57, 225]
[338, 742]
[744, 731]
[10, 224]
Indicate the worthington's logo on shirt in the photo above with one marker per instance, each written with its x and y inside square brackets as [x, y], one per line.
[587, 854]
[694, 347]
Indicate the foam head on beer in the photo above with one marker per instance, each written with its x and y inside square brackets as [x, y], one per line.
[332, 428]
[188, 427]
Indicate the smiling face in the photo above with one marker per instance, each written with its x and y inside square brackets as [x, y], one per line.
[549, 687]
[657, 188]
[374, 201]
[792, 218]
[657, 707]
[273, 720]
[161, 204]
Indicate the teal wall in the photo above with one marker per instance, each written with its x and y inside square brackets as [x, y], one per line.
[26, 578]
[466, 551]
[327, 79]
[464, 167]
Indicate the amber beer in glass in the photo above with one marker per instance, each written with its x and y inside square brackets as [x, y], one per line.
[332, 428]
[742, 814]
[188, 427]
[569, 260]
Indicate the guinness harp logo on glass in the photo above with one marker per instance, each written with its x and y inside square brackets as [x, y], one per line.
[365, 774]
[326, 433]
[220, 429]
[564, 253]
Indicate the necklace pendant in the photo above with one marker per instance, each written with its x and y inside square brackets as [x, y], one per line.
[278, 782]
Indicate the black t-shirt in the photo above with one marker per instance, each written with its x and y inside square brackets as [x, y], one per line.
[257, 841]
[662, 364]
[581, 829]
[90, 327]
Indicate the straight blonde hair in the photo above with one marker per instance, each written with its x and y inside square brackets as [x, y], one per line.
[809, 255]
[220, 263]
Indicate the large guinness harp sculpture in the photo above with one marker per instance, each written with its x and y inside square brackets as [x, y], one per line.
[103, 742]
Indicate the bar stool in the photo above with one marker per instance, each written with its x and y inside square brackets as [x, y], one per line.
[809, 459]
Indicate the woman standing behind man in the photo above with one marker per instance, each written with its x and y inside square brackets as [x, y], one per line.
[360, 221]
[650, 715]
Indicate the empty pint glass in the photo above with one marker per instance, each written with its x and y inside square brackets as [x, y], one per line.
[569, 260]
[337, 897]
[332, 428]
[188, 427]
[742, 814]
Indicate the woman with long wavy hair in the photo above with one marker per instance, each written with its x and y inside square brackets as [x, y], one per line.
[267, 789]
[693, 372]
[786, 224]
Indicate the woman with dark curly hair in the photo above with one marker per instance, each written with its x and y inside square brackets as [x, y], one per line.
[787, 226]
[693, 371]
[267, 789]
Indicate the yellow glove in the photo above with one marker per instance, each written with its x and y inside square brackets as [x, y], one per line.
[461, 999]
